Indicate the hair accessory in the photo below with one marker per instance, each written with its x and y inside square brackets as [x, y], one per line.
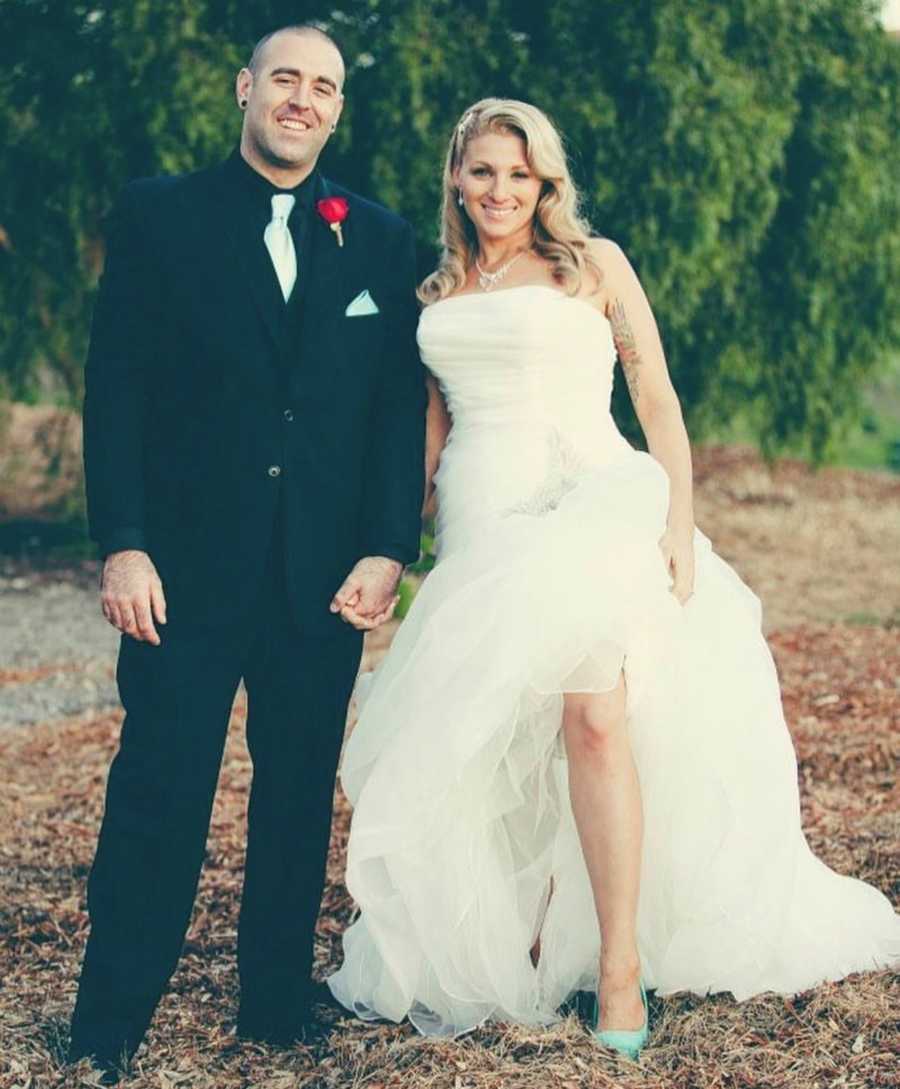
[464, 123]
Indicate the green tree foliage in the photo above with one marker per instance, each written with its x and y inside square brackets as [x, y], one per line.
[90, 95]
[743, 153]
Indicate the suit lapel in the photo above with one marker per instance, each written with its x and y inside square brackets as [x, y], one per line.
[326, 266]
[253, 266]
[325, 272]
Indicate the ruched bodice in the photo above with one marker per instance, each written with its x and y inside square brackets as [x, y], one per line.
[527, 374]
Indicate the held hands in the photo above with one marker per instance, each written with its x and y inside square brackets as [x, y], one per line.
[677, 547]
[367, 597]
[131, 595]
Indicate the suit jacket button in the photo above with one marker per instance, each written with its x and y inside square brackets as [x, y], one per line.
[288, 415]
[274, 470]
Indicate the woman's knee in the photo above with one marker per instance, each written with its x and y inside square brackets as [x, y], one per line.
[592, 721]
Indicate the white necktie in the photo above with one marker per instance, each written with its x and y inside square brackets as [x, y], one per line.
[280, 244]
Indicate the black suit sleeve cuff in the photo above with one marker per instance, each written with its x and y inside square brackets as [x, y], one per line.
[393, 552]
[118, 540]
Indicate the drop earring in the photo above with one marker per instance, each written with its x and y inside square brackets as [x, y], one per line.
[459, 197]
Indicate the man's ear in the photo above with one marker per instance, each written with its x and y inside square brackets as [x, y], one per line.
[243, 84]
[340, 110]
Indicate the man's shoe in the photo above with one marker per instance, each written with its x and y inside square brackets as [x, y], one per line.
[109, 1044]
[300, 1033]
[304, 1028]
[108, 1071]
[109, 1075]
[321, 999]
[317, 1015]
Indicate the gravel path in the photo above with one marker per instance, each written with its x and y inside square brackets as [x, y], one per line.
[57, 653]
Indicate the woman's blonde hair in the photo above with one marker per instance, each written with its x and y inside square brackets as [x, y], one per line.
[560, 234]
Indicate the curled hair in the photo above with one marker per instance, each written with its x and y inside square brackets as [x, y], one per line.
[560, 234]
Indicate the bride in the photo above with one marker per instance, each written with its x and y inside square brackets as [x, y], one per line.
[572, 770]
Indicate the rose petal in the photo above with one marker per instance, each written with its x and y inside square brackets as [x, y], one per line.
[333, 209]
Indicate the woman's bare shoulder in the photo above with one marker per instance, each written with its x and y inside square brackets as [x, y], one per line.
[600, 281]
[617, 274]
[608, 254]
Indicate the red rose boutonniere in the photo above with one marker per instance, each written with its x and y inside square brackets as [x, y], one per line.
[334, 211]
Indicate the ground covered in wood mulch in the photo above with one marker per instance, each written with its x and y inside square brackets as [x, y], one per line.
[841, 686]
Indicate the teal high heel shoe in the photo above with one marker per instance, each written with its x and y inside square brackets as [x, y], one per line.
[626, 1041]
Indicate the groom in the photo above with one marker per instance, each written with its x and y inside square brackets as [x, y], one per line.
[254, 433]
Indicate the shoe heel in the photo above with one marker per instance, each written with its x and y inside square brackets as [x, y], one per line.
[627, 1042]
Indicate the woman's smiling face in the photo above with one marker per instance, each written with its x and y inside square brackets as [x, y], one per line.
[499, 189]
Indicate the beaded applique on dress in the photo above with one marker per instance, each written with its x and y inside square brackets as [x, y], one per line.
[565, 467]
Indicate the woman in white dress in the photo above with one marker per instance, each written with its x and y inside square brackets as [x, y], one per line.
[572, 770]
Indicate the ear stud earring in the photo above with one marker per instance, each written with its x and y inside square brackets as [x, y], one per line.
[243, 103]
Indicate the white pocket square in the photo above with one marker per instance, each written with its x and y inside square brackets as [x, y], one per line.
[363, 304]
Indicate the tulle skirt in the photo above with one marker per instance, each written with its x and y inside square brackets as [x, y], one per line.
[459, 780]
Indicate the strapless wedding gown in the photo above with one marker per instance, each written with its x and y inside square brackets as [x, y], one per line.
[549, 580]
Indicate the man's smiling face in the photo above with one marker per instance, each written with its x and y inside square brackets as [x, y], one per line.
[293, 100]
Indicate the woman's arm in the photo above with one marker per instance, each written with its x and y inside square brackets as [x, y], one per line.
[655, 402]
[437, 427]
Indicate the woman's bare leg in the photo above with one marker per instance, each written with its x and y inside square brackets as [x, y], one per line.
[535, 951]
[606, 802]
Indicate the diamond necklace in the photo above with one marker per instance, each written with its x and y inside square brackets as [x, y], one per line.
[487, 281]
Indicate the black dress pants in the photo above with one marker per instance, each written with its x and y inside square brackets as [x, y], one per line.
[177, 698]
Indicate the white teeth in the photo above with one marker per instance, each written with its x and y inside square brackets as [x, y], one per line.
[297, 126]
[497, 213]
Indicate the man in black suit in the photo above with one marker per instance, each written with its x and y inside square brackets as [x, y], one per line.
[254, 436]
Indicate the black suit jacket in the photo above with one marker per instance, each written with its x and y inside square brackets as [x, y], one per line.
[206, 411]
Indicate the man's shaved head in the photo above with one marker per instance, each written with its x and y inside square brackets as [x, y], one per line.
[302, 29]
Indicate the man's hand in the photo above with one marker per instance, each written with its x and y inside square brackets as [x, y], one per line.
[131, 595]
[367, 596]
